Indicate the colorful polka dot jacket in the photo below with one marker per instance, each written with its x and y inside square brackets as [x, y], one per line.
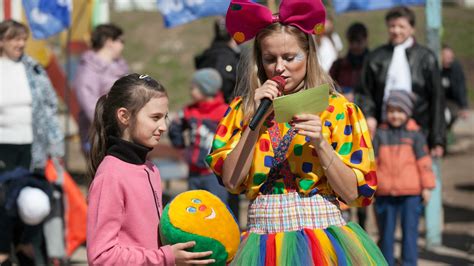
[344, 127]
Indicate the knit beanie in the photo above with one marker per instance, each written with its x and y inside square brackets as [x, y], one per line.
[208, 80]
[33, 205]
[402, 99]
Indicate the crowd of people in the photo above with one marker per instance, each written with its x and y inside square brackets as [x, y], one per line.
[380, 140]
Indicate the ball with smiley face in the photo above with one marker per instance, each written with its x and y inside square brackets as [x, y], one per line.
[200, 216]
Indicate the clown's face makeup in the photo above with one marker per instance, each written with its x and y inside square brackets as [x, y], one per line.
[282, 56]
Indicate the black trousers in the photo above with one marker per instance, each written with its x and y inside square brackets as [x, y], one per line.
[14, 155]
[12, 230]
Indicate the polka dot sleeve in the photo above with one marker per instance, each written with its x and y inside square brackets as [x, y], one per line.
[227, 136]
[352, 143]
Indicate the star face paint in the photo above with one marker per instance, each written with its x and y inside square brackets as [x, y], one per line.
[300, 57]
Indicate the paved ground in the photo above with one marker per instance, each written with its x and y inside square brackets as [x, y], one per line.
[458, 198]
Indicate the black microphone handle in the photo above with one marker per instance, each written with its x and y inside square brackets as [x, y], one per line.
[261, 111]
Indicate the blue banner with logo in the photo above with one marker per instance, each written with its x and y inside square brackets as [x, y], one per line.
[341, 6]
[177, 12]
[47, 17]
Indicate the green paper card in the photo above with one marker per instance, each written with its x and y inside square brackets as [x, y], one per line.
[310, 101]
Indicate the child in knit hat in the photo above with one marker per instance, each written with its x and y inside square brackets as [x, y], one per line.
[405, 176]
[206, 83]
[198, 121]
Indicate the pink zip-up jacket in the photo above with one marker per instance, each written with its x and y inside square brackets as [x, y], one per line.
[94, 78]
[124, 214]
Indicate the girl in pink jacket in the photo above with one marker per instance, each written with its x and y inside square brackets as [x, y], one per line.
[125, 196]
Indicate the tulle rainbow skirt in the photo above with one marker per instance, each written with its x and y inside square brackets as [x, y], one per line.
[289, 229]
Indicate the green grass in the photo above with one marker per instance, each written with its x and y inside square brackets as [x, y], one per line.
[168, 54]
[165, 54]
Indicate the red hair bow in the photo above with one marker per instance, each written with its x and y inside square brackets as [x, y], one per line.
[245, 19]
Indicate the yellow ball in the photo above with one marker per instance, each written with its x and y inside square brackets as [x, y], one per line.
[200, 213]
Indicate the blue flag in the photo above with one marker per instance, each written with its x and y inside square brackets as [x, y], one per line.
[177, 12]
[341, 6]
[47, 17]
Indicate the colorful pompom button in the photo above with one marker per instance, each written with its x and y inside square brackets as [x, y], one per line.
[319, 28]
[239, 37]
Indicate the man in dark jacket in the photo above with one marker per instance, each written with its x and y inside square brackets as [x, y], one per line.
[423, 72]
[403, 64]
[454, 84]
[346, 70]
[223, 55]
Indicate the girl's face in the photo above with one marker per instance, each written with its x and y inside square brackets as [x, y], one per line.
[150, 122]
[15, 47]
[282, 56]
[396, 117]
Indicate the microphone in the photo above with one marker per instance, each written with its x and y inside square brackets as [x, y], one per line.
[265, 104]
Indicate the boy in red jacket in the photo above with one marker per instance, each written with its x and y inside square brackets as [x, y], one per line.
[405, 176]
[200, 120]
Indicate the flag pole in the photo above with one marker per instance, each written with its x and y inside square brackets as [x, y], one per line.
[434, 235]
[433, 25]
